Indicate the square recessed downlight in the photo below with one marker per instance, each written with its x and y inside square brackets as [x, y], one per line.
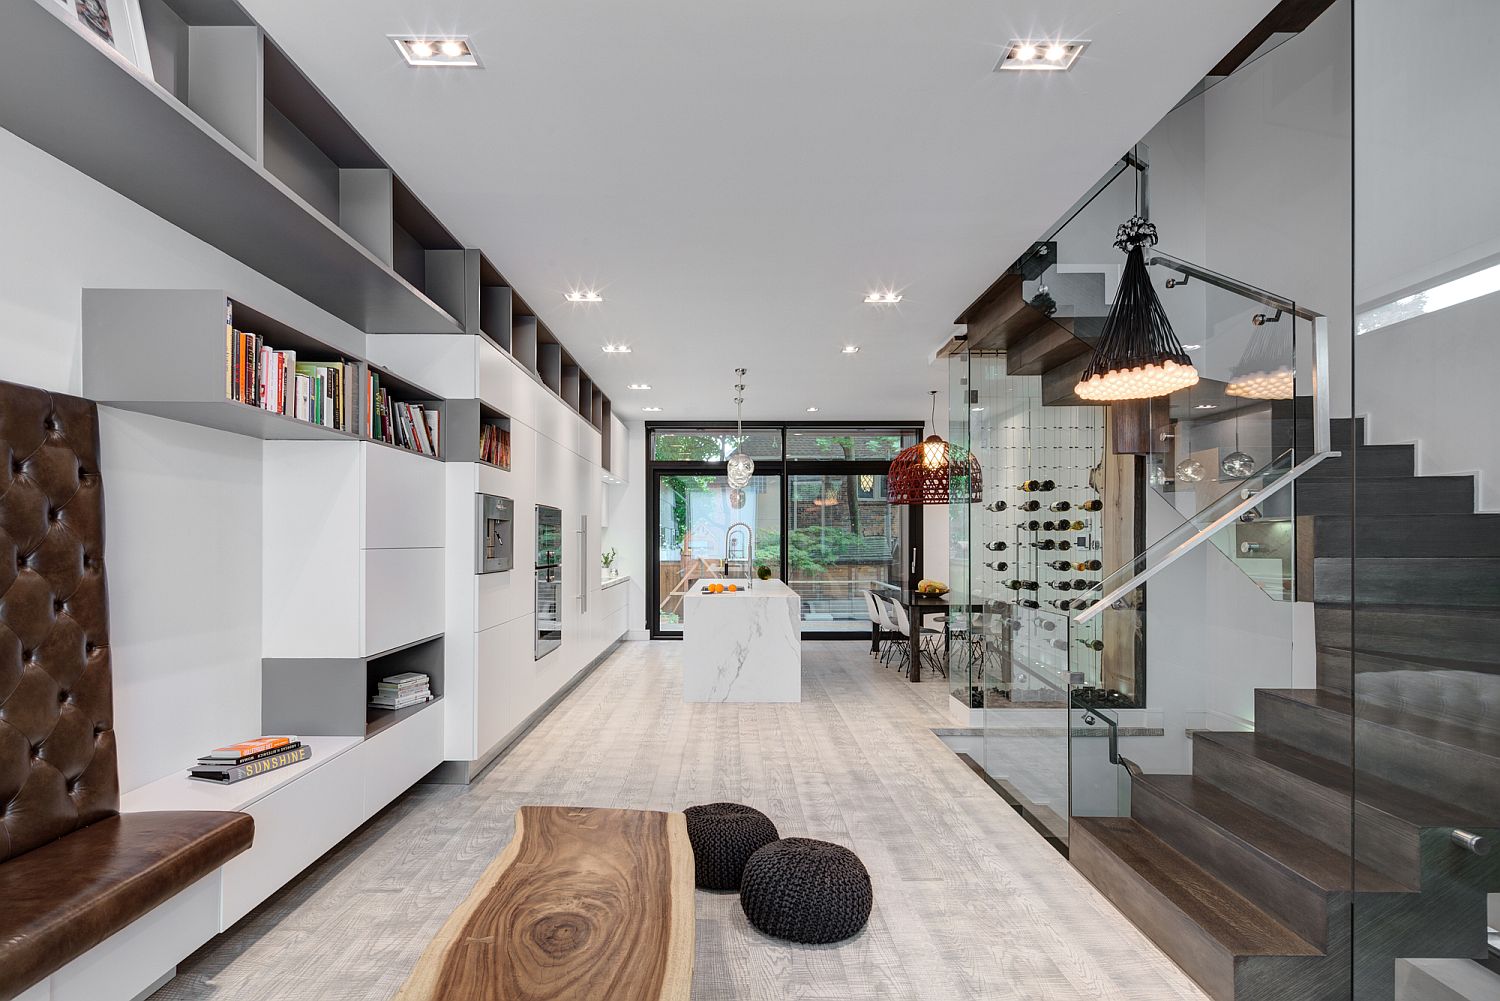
[583, 295]
[436, 50]
[1041, 54]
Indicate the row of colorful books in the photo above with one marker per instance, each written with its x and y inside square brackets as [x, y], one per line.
[494, 445]
[411, 426]
[262, 376]
[402, 690]
[249, 758]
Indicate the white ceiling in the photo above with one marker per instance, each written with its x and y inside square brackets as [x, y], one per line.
[734, 177]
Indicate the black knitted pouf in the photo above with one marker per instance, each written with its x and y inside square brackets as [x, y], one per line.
[806, 891]
[724, 836]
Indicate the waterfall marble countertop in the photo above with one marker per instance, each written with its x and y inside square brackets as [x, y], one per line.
[742, 646]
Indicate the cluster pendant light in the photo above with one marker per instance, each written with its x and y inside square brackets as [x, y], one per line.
[934, 471]
[1138, 356]
[1266, 371]
[740, 467]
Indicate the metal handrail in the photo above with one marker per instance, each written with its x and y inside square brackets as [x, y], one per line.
[1202, 536]
[1322, 412]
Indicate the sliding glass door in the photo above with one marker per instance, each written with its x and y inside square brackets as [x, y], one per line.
[815, 515]
[842, 538]
[705, 529]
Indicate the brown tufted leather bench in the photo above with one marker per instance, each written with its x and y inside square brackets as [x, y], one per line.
[73, 869]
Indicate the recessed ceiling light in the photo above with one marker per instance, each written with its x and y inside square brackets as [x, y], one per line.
[883, 298]
[812, 410]
[1192, 347]
[851, 349]
[652, 410]
[639, 385]
[617, 349]
[436, 50]
[1047, 55]
[976, 410]
[1207, 406]
[583, 295]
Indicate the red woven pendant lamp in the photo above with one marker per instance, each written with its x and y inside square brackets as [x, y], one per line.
[934, 471]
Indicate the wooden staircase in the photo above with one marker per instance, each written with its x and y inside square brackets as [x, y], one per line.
[1298, 861]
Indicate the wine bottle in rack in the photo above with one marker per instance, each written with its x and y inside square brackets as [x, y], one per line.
[999, 566]
[1052, 526]
[1031, 505]
[1093, 644]
[1060, 506]
[1021, 585]
[1080, 584]
[1030, 526]
[1044, 544]
[1063, 603]
[1091, 505]
[996, 547]
[997, 506]
[1088, 565]
[1028, 603]
[1031, 485]
[1076, 526]
[1059, 564]
[1060, 585]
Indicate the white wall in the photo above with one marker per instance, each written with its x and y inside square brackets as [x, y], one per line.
[626, 526]
[182, 503]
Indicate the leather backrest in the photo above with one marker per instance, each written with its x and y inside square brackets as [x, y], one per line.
[57, 744]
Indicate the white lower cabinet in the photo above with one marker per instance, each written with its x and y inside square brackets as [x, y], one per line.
[293, 827]
[395, 758]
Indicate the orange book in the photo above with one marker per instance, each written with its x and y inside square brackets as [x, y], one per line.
[247, 748]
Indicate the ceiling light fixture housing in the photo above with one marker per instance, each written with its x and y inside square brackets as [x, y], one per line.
[453, 51]
[583, 295]
[851, 349]
[1047, 55]
[651, 410]
[617, 349]
[639, 385]
[812, 410]
[883, 298]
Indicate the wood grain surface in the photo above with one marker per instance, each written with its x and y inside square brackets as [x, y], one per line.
[582, 904]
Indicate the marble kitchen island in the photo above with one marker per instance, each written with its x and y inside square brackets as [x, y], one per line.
[742, 647]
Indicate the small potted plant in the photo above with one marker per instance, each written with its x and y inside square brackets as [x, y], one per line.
[608, 560]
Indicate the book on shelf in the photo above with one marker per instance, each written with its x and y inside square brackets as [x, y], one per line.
[226, 774]
[494, 445]
[411, 426]
[261, 375]
[402, 690]
[209, 760]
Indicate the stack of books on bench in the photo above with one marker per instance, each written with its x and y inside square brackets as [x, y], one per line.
[249, 758]
[402, 690]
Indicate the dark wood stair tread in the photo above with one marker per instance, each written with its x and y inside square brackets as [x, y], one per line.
[1239, 927]
[1403, 805]
[1321, 866]
[1445, 731]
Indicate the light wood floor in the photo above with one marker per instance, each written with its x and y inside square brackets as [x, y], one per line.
[969, 901]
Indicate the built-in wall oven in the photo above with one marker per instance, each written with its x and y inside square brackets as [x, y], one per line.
[549, 582]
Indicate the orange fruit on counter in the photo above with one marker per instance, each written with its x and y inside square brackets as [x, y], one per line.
[733, 587]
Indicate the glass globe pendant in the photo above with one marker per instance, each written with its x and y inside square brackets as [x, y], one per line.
[1138, 356]
[740, 467]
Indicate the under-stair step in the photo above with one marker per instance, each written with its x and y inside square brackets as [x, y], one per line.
[1421, 495]
[1314, 793]
[1370, 462]
[1463, 691]
[1423, 583]
[1436, 756]
[1404, 536]
[1232, 948]
[1445, 980]
[1287, 873]
[1345, 433]
[1402, 631]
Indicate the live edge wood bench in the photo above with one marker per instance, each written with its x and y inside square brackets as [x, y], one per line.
[583, 905]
